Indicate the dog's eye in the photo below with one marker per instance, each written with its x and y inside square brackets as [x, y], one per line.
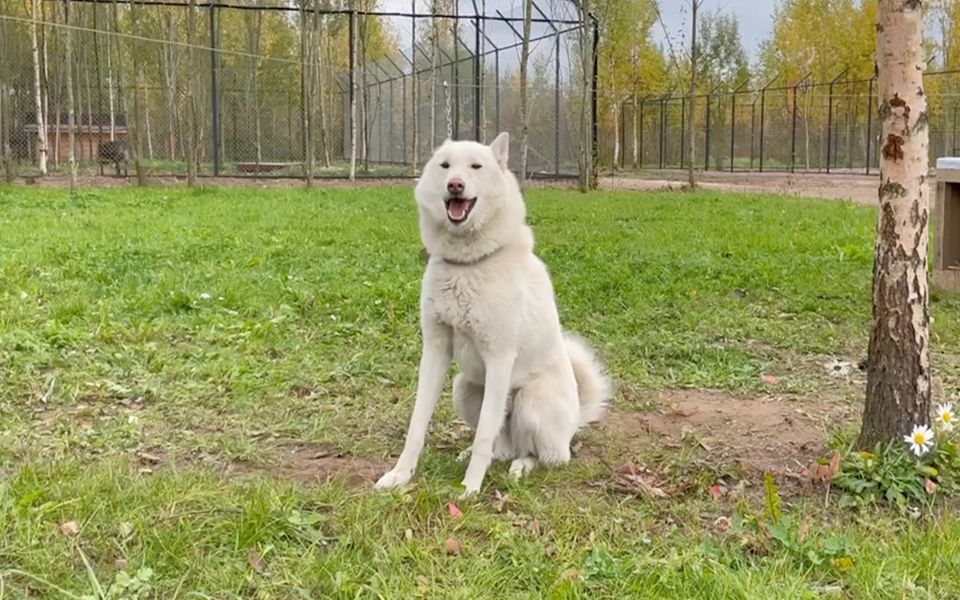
[445, 165]
[475, 166]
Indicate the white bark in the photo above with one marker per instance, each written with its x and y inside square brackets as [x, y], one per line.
[71, 113]
[898, 380]
[353, 100]
[524, 67]
[37, 89]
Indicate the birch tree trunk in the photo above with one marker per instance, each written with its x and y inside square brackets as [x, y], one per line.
[353, 96]
[305, 92]
[71, 113]
[692, 117]
[37, 89]
[898, 375]
[524, 67]
[192, 139]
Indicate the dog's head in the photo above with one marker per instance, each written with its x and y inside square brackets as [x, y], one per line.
[466, 192]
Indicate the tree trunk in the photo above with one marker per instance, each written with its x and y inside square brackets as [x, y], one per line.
[305, 91]
[138, 130]
[635, 158]
[898, 375]
[616, 133]
[71, 113]
[692, 117]
[192, 109]
[414, 109]
[37, 90]
[524, 68]
[353, 96]
[434, 61]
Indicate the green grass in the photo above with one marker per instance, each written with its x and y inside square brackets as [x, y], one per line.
[153, 342]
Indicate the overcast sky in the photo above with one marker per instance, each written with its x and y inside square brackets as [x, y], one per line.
[755, 17]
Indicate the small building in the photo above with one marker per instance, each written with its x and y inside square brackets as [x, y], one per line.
[90, 129]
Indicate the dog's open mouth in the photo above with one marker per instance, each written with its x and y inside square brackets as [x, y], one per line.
[458, 209]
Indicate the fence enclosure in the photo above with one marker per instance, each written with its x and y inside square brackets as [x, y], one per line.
[269, 89]
[804, 126]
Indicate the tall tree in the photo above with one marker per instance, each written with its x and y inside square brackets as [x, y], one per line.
[898, 375]
[524, 68]
[37, 89]
[692, 113]
[71, 113]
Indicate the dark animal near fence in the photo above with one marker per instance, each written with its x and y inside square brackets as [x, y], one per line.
[115, 152]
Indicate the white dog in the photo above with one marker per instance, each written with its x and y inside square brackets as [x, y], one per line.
[487, 301]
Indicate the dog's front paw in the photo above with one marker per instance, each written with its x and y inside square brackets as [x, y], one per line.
[394, 478]
[468, 492]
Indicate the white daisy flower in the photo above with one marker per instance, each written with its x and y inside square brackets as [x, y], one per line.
[920, 440]
[838, 368]
[945, 417]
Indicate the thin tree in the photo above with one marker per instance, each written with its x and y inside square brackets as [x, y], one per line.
[524, 67]
[692, 113]
[139, 129]
[414, 89]
[71, 114]
[193, 143]
[353, 93]
[306, 87]
[587, 61]
[37, 89]
[898, 374]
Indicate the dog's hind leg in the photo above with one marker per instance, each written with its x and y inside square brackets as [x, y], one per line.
[544, 420]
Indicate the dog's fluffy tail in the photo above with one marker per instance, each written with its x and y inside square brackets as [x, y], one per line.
[593, 384]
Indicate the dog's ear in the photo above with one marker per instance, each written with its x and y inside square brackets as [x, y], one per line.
[501, 149]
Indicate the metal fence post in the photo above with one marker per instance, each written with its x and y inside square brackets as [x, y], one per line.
[869, 121]
[763, 103]
[642, 100]
[733, 120]
[830, 117]
[683, 130]
[793, 125]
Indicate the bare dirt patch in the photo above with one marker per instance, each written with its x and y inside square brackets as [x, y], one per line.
[758, 434]
[312, 464]
[858, 187]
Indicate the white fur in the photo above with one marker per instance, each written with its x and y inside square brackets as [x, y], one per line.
[487, 302]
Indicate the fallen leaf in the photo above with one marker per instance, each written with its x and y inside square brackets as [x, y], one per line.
[537, 530]
[805, 473]
[256, 561]
[802, 532]
[70, 528]
[931, 486]
[408, 534]
[455, 511]
[716, 490]
[501, 500]
[453, 547]
[723, 523]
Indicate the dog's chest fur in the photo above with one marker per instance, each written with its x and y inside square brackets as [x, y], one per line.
[465, 298]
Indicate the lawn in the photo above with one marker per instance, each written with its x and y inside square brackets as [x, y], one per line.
[197, 388]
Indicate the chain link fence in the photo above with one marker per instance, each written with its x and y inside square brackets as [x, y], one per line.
[803, 127]
[283, 90]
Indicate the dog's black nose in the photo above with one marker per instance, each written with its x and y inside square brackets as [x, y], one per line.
[455, 186]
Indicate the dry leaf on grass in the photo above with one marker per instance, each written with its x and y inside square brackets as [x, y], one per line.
[455, 511]
[256, 561]
[70, 528]
[453, 547]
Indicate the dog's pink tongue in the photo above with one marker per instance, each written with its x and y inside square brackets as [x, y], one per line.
[457, 209]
